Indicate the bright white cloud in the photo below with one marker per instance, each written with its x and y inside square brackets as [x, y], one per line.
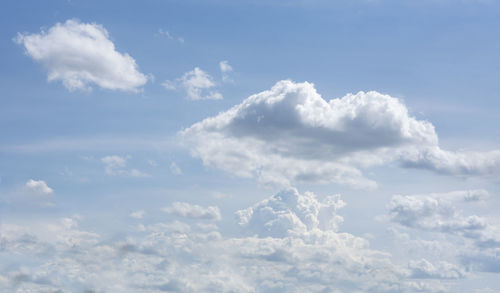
[225, 70]
[289, 212]
[80, 55]
[197, 84]
[116, 165]
[39, 187]
[290, 133]
[186, 210]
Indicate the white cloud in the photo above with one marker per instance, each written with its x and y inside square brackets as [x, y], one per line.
[116, 165]
[81, 54]
[39, 187]
[225, 70]
[290, 133]
[186, 210]
[197, 84]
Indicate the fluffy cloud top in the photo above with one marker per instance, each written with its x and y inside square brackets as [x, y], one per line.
[290, 133]
[289, 212]
[197, 84]
[81, 54]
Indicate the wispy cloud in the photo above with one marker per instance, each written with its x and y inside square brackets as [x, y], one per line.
[116, 165]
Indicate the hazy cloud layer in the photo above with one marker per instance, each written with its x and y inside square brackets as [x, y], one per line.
[290, 133]
[81, 55]
[296, 248]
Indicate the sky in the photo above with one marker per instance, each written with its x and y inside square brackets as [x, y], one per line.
[250, 146]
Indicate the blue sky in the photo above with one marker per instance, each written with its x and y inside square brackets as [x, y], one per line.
[194, 146]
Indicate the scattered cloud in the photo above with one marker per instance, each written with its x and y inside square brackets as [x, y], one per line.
[290, 133]
[186, 210]
[137, 214]
[472, 240]
[197, 84]
[225, 70]
[169, 36]
[81, 55]
[435, 213]
[116, 165]
[175, 169]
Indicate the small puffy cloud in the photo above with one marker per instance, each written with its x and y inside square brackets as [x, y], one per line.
[39, 187]
[290, 133]
[197, 84]
[225, 70]
[186, 210]
[116, 165]
[81, 55]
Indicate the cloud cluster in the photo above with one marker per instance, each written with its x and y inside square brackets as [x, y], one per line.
[436, 213]
[197, 84]
[294, 247]
[80, 55]
[471, 239]
[290, 133]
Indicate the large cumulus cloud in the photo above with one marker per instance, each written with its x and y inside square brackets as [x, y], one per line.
[290, 133]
